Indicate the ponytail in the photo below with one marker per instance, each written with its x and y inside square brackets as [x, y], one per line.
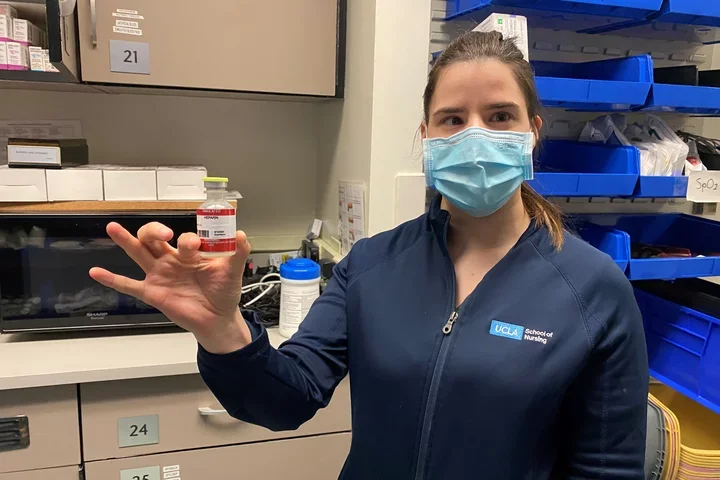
[545, 214]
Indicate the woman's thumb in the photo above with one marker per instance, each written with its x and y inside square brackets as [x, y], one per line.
[243, 250]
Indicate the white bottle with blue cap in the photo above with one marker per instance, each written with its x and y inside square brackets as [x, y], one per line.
[299, 288]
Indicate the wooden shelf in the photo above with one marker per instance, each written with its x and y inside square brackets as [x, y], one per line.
[101, 207]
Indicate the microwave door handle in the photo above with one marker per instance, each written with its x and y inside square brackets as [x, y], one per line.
[93, 21]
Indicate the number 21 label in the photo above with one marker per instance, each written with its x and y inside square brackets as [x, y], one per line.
[129, 57]
[136, 431]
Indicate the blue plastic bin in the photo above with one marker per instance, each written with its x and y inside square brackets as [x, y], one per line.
[684, 99]
[661, 187]
[576, 169]
[638, 9]
[607, 85]
[700, 235]
[683, 348]
[609, 240]
[690, 12]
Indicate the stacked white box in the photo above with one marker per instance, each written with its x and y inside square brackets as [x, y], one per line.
[129, 183]
[26, 32]
[77, 183]
[22, 185]
[17, 56]
[511, 26]
[37, 61]
[181, 183]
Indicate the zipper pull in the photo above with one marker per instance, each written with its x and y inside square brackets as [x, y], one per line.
[451, 321]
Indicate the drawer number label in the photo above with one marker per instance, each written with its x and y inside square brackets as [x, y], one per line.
[136, 431]
[145, 473]
[129, 57]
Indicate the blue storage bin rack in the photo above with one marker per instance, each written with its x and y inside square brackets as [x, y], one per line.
[637, 9]
[578, 169]
[609, 240]
[606, 85]
[690, 12]
[703, 101]
[661, 187]
[677, 230]
[683, 348]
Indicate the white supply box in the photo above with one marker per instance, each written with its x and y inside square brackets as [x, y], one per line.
[17, 56]
[8, 10]
[77, 183]
[37, 63]
[6, 27]
[181, 183]
[49, 67]
[511, 26]
[26, 32]
[22, 185]
[129, 183]
[3, 56]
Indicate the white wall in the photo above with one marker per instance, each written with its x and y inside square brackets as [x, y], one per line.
[267, 149]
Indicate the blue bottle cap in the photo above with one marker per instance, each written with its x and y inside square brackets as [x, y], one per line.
[300, 269]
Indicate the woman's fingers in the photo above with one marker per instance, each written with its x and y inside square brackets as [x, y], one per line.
[154, 236]
[131, 245]
[188, 245]
[237, 261]
[119, 283]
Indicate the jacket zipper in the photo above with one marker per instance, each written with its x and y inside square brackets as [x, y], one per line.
[432, 394]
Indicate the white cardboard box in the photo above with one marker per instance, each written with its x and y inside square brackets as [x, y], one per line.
[6, 27]
[181, 183]
[17, 56]
[37, 64]
[8, 10]
[49, 67]
[3, 56]
[26, 32]
[77, 183]
[511, 26]
[22, 185]
[127, 183]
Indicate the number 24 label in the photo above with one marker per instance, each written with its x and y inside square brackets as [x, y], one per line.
[136, 431]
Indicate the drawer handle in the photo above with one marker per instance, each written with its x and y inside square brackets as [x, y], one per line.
[93, 21]
[209, 412]
[14, 433]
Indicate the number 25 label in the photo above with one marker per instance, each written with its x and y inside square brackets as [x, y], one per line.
[145, 473]
[136, 431]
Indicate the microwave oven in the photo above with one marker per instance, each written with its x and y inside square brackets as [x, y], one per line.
[44, 264]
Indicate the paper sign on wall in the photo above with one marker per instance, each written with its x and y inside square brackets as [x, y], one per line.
[704, 187]
[351, 214]
[128, 15]
[127, 23]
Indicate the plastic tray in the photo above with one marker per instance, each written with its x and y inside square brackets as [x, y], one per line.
[577, 169]
[684, 99]
[613, 242]
[661, 187]
[606, 85]
[638, 9]
[678, 230]
[683, 348]
[690, 12]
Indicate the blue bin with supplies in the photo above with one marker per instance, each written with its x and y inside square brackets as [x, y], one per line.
[664, 232]
[683, 99]
[618, 84]
[608, 240]
[661, 187]
[683, 345]
[637, 9]
[576, 169]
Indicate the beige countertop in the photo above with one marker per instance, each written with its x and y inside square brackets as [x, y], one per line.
[36, 360]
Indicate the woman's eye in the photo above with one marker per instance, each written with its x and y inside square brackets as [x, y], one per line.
[452, 121]
[501, 117]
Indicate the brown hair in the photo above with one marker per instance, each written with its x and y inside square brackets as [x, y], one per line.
[474, 46]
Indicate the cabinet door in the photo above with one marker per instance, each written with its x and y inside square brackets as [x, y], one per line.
[62, 473]
[270, 46]
[316, 458]
[50, 428]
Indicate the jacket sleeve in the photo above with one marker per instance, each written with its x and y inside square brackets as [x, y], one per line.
[604, 415]
[281, 389]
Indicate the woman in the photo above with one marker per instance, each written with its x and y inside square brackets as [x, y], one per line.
[482, 340]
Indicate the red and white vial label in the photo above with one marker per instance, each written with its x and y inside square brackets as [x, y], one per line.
[216, 229]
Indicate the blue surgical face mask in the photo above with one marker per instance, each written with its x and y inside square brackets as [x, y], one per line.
[478, 170]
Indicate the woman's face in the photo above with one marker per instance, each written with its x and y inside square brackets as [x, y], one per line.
[477, 94]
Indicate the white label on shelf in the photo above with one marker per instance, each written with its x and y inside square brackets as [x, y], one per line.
[171, 468]
[128, 31]
[122, 10]
[167, 475]
[127, 23]
[33, 155]
[135, 431]
[128, 15]
[129, 57]
[704, 187]
[145, 473]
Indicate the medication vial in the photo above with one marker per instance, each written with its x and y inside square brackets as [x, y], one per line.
[216, 220]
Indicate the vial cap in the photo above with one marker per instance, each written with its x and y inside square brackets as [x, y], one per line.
[215, 180]
[300, 269]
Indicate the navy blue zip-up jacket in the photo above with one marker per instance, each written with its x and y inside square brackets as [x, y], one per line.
[543, 375]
